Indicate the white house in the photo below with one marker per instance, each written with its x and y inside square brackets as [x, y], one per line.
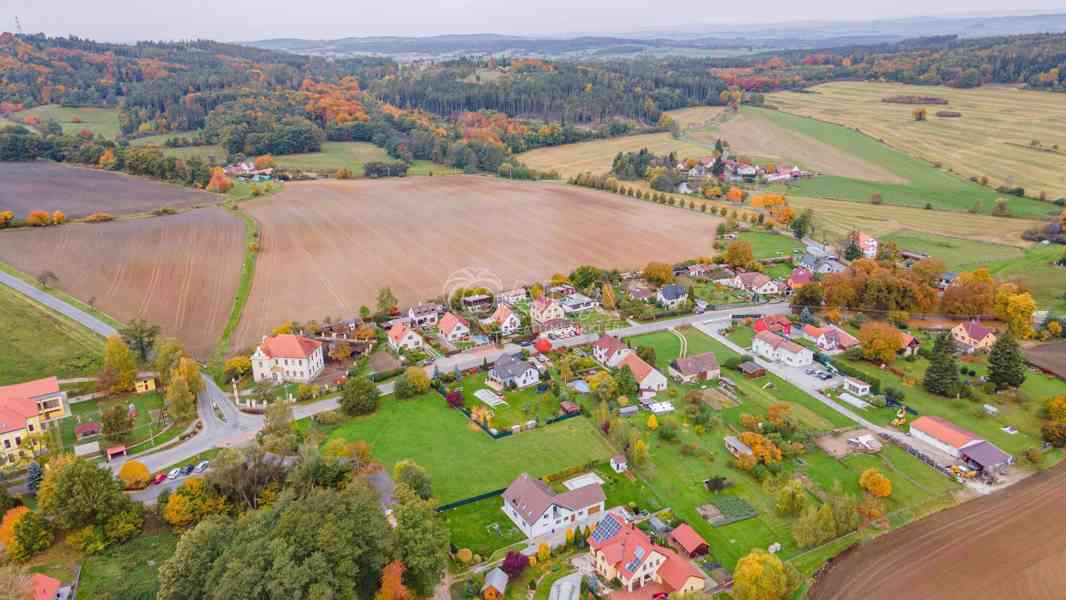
[857, 387]
[868, 244]
[776, 348]
[671, 296]
[402, 337]
[424, 315]
[829, 339]
[511, 369]
[698, 367]
[557, 329]
[453, 328]
[619, 463]
[287, 358]
[942, 434]
[577, 303]
[506, 319]
[609, 351]
[537, 510]
[512, 296]
[545, 309]
[756, 283]
[650, 380]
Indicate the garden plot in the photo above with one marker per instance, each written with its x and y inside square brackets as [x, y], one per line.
[489, 397]
[582, 480]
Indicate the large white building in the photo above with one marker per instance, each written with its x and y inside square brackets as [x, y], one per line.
[776, 348]
[537, 510]
[288, 358]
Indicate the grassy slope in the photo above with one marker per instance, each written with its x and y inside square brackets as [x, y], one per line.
[335, 155]
[944, 191]
[38, 342]
[770, 245]
[132, 568]
[955, 253]
[100, 121]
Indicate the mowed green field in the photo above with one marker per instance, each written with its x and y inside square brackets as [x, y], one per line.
[955, 253]
[462, 461]
[335, 155]
[38, 342]
[100, 121]
[770, 245]
[925, 183]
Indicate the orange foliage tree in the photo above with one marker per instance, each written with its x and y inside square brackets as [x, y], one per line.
[734, 194]
[880, 341]
[107, 159]
[762, 448]
[58, 217]
[392, 587]
[38, 218]
[7, 526]
[875, 483]
[220, 184]
[265, 161]
[767, 200]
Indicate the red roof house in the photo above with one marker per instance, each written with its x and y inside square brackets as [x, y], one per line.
[686, 537]
[44, 587]
[779, 324]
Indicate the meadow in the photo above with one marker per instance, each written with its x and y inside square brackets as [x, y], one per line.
[992, 138]
[100, 121]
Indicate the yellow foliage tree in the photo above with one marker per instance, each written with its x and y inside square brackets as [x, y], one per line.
[120, 367]
[739, 254]
[762, 576]
[179, 511]
[653, 423]
[134, 475]
[219, 183]
[1056, 408]
[875, 483]
[764, 450]
[880, 341]
[58, 217]
[544, 551]
[1019, 315]
[7, 526]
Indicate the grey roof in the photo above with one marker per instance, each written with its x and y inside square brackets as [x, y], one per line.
[510, 366]
[696, 364]
[496, 578]
[986, 455]
[575, 299]
[738, 446]
[530, 497]
[566, 588]
[672, 291]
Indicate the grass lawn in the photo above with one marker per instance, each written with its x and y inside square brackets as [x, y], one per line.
[742, 336]
[598, 321]
[127, 568]
[335, 155]
[469, 525]
[1037, 271]
[765, 244]
[100, 121]
[461, 459]
[716, 294]
[926, 184]
[522, 405]
[90, 411]
[39, 342]
[955, 253]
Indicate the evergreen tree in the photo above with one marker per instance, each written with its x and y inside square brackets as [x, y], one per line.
[34, 476]
[942, 376]
[852, 250]
[1006, 365]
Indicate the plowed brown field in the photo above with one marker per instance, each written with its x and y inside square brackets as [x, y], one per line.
[179, 272]
[329, 246]
[80, 191]
[1005, 545]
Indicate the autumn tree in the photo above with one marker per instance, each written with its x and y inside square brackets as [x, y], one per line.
[874, 482]
[386, 300]
[169, 353]
[219, 182]
[7, 526]
[764, 450]
[392, 587]
[140, 336]
[409, 473]
[809, 295]
[608, 300]
[33, 534]
[739, 254]
[120, 367]
[134, 474]
[1006, 365]
[791, 498]
[237, 367]
[359, 396]
[653, 422]
[918, 114]
[180, 401]
[971, 294]
[58, 217]
[77, 493]
[421, 539]
[116, 423]
[762, 576]
[880, 341]
[659, 273]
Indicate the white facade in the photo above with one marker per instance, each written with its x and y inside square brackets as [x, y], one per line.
[404, 338]
[555, 518]
[545, 310]
[775, 348]
[287, 369]
[920, 435]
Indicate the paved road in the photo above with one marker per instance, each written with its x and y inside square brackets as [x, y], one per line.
[58, 305]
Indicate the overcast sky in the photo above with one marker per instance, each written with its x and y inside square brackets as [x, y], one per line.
[240, 20]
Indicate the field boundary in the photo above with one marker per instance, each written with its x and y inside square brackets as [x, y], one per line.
[252, 236]
[63, 296]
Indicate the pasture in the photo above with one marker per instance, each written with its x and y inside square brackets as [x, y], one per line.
[992, 138]
[596, 156]
[39, 342]
[956, 254]
[80, 191]
[100, 121]
[180, 272]
[329, 246]
[335, 155]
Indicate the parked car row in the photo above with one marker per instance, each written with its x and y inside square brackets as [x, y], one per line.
[823, 375]
[180, 472]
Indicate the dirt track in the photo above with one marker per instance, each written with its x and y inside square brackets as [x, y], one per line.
[179, 272]
[80, 191]
[329, 246]
[1008, 545]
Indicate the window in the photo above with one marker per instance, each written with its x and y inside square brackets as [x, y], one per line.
[7, 443]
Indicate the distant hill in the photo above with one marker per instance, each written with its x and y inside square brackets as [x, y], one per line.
[692, 40]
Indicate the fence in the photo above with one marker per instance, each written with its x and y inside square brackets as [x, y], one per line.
[470, 500]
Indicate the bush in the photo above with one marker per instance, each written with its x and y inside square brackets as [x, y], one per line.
[134, 475]
[38, 218]
[87, 540]
[32, 535]
[99, 217]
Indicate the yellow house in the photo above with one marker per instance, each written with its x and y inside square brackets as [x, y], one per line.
[971, 336]
[18, 420]
[51, 401]
[144, 385]
[620, 551]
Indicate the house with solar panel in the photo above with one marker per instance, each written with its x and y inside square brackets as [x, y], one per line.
[621, 552]
[536, 509]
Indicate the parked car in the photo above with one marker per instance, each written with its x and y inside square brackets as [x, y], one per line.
[187, 469]
[659, 596]
[174, 474]
[159, 478]
[200, 468]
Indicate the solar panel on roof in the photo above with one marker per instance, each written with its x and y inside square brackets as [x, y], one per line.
[638, 552]
[606, 529]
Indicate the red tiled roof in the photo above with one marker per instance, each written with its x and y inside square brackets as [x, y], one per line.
[450, 322]
[799, 276]
[609, 343]
[288, 345]
[676, 570]
[398, 332]
[813, 331]
[503, 312]
[639, 368]
[87, 429]
[14, 412]
[687, 538]
[975, 330]
[943, 430]
[621, 549]
[31, 389]
[772, 323]
[44, 587]
[777, 341]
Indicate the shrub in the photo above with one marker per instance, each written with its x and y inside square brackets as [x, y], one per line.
[87, 540]
[99, 217]
[32, 535]
[38, 218]
[58, 217]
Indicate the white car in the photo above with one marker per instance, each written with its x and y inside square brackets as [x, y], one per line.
[200, 468]
[174, 474]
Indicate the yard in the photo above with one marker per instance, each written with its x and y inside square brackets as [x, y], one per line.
[521, 405]
[459, 457]
[39, 342]
[90, 411]
[132, 567]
